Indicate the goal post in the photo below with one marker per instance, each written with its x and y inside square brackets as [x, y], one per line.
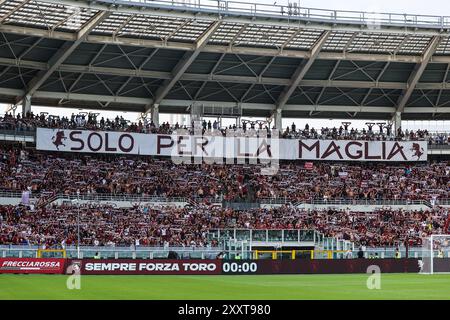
[436, 254]
[51, 253]
[299, 254]
[273, 254]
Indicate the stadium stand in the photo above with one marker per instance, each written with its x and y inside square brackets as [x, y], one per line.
[90, 122]
[52, 226]
[120, 175]
[167, 226]
[272, 63]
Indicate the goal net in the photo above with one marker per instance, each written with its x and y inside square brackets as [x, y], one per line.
[51, 253]
[435, 254]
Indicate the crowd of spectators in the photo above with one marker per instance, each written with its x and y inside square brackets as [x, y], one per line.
[383, 133]
[103, 225]
[43, 173]
[40, 172]
[91, 121]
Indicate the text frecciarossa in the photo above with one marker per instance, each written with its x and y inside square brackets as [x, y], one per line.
[31, 264]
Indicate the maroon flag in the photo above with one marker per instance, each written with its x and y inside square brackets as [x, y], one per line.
[309, 165]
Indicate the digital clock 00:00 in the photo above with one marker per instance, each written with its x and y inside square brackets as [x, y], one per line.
[239, 267]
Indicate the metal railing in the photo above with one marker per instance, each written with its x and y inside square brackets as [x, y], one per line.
[14, 194]
[383, 202]
[124, 197]
[24, 251]
[17, 135]
[18, 132]
[293, 12]
[443, 202]
[104, 197]
[412, 252]
[439, 146]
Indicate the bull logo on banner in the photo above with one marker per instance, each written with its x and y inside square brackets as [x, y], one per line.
[58, 139]
[418, 150]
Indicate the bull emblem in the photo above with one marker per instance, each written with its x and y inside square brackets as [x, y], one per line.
[58, 139]
[418, 151]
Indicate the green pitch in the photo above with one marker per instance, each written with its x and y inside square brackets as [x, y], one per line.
[352, 286]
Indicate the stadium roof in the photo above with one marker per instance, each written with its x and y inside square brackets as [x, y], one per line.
[224, 56]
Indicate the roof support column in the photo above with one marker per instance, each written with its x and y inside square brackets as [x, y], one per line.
[397, 121]
[26, 105]
[155, 115]
[278, 120]
[196, 114]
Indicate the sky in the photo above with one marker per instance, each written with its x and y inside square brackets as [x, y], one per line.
[428, 7]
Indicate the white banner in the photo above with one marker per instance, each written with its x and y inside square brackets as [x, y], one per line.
[219, 147]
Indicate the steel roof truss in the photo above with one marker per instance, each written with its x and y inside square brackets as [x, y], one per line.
[358, 68]
[149, 57]
[57, 79]
[216, 65]
[302, 69]
[8, 44]
[244, 96]
[19, 75]
[126, 55]
[444, 81]
[116, 32]
[105, 85]
[91, 85]
[336, 97]
[228, 91]
[266, 67]
[184, 63]
[123, 86]
[199, 90]
[417, 73]
[63, 53]
[239, 64]
[260, 93]
[184, 89]
[218, 91]
[247, 66]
